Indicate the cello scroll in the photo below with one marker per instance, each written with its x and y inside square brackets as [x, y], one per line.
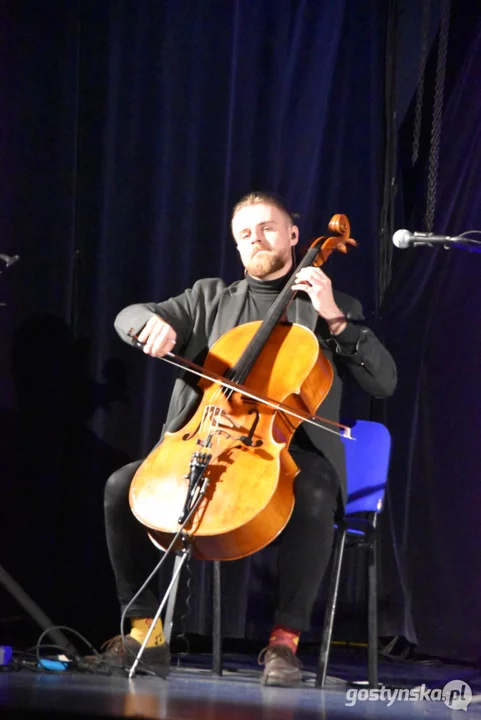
[340, 241]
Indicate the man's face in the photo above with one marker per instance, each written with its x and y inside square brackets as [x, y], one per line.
[264, 238]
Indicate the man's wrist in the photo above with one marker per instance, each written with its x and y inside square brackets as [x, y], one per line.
[337, 324]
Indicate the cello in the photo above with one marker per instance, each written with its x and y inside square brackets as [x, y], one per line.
[226, 478]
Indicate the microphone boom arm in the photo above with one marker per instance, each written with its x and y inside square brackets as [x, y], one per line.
[405, 239]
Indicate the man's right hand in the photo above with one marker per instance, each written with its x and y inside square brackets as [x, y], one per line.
[158, 336]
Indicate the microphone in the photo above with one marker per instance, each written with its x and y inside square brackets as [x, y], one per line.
[9, 259]
[403, 239]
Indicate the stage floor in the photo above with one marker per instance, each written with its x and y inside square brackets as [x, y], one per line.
[191, 692]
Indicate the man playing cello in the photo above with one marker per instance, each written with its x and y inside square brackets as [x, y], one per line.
[265, 234]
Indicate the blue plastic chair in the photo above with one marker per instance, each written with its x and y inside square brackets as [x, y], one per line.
[367, 464]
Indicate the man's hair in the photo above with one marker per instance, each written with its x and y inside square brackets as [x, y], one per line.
[256, 198]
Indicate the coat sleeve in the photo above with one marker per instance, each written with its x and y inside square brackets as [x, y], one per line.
[184, 312]
[369, 362]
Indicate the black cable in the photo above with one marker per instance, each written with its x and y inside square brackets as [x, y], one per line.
[66, 650]
[37, 662]
[19, 656]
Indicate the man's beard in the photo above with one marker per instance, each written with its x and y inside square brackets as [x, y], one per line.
[264, 263]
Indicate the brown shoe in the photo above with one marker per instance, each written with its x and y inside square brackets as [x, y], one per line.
[116, 658]
[282, 668]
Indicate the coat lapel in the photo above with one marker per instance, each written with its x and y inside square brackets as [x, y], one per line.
[229, 311]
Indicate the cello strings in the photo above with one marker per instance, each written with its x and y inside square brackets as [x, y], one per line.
[188, 366]
[345, 433]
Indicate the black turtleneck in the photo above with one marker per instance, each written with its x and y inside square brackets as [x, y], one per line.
[261, 295]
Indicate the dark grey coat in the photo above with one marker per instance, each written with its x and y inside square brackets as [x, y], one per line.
[203, 313]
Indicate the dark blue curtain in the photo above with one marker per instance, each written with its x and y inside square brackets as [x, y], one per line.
[128, 131]
[431, 321]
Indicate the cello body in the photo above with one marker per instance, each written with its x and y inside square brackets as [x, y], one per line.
[250, 472]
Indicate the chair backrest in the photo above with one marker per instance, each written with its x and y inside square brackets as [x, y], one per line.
[367, 464]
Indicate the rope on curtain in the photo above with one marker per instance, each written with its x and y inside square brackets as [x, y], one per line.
[437, 120]
[386, 220]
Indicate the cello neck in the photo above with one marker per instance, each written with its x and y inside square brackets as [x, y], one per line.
[244, 365]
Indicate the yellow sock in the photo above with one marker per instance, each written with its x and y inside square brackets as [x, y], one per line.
[140, 628]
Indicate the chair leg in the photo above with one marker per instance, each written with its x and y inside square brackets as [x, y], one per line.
[331, 606]
[372, 651]
[217, 659]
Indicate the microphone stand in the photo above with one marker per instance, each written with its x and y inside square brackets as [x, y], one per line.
[459, 242]
[15, 590]
[26, 602]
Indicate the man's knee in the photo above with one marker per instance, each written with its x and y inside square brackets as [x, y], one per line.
[313, 499]
[118, 485]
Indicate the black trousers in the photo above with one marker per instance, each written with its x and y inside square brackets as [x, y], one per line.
[305, 544]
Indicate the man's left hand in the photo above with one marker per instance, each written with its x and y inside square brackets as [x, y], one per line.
[318, 286]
